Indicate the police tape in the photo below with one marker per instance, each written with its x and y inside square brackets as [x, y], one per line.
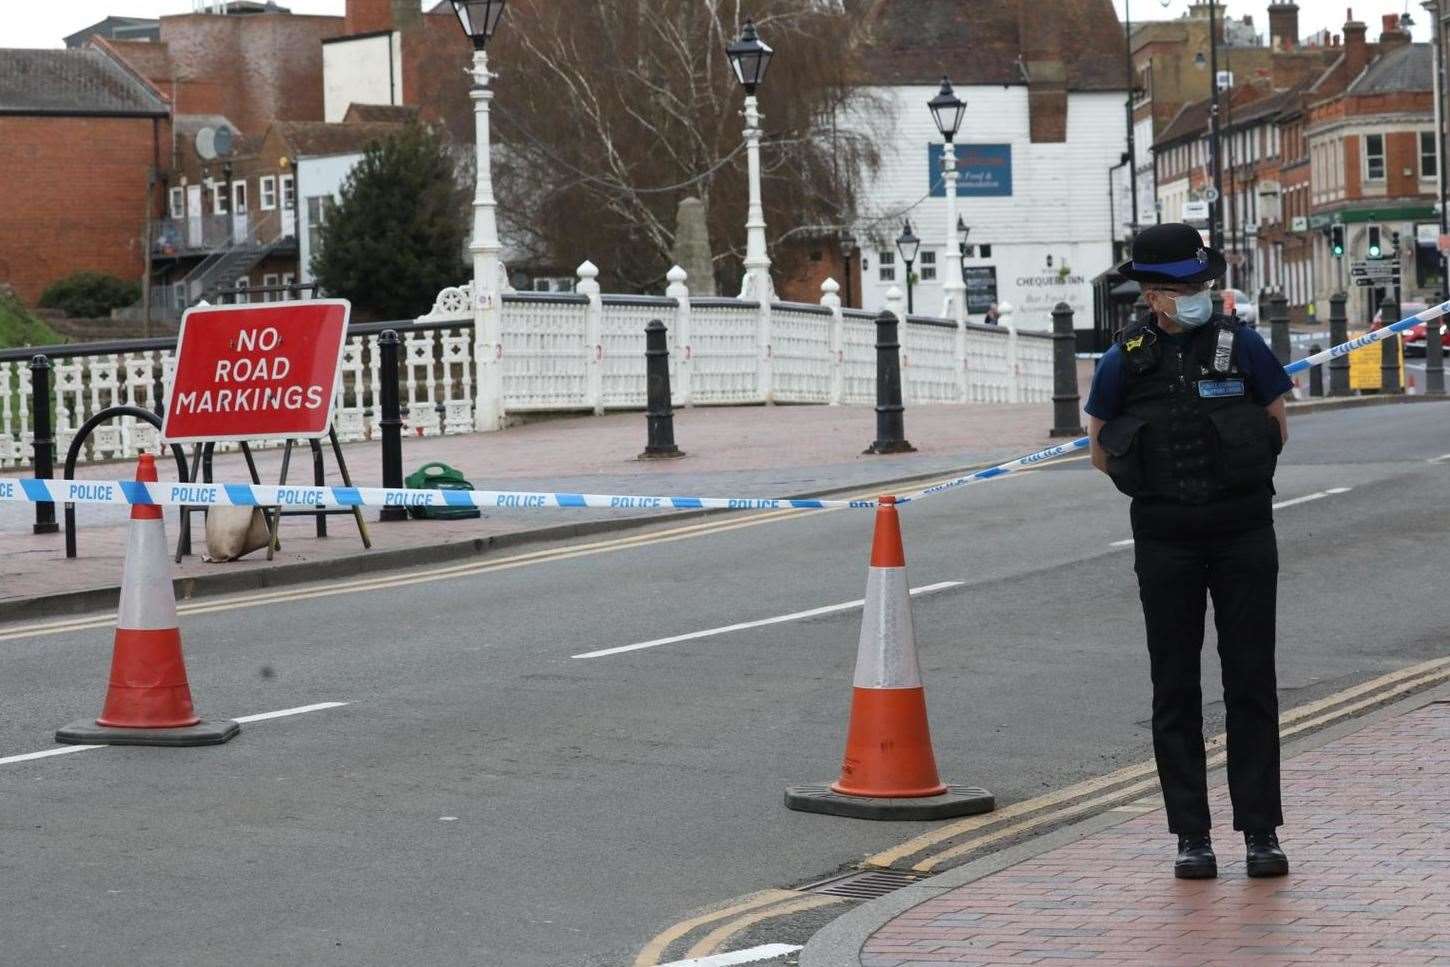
[1081, 443]
[130, 492]
[127, 492]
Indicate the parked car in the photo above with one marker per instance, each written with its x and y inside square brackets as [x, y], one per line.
[1414, 337]
[1243, 305]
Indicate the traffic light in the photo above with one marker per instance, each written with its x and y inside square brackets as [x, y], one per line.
[1336, 241]
[1374, 242]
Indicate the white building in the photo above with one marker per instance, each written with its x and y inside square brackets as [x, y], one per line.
[1044, 126]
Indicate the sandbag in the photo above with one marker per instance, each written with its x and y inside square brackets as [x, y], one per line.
[234, 532]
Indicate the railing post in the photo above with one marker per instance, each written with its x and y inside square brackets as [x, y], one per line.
[765, 362]
[1066, 421]
[1338, 336]
[588, 285]
[890, 412]
[685, 364]
[43, 442]
[659, 417]
[1279, 327]
[1316, 374]
[1014, 383]
[1434, 359]
[831, 299]
[1390, 348]
[391, 421]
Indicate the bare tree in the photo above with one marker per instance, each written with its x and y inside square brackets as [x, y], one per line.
[610, 111]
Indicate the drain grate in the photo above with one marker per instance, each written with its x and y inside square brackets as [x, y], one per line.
[865, 884]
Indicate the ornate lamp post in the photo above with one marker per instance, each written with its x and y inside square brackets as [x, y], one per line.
[947, 110]
[479, 19]
[848, 245]
[908, 245]
[750, 57]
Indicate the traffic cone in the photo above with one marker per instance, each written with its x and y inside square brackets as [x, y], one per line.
[889, 769]
[148, 700]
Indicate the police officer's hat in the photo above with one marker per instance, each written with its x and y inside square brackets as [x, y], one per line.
[1172, 253]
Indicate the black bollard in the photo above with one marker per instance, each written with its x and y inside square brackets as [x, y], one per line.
[1338, 336]
[390, 420]
[1434, 359]
[890, 414]
[1066, 417]
[1390, 348]
[1265, 313]
[1316, 373]
[659, 415]
[44, 442]
[1279, 327]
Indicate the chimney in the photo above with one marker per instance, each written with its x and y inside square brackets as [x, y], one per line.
[1356, 51]
[1284, 25]
[1391, 35]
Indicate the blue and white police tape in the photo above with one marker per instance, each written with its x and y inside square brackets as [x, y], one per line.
[31, 490]
[128, 492]
[1081, 443]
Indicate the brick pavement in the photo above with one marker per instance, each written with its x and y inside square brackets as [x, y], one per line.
[1368, 827]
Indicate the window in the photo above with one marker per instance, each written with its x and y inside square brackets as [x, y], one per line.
[176, 201]
[267, 188]
[928, 265]
[318, 208]
[239, 196]
[287, 280]
[1374, 157]
[269, 281]
[242, 298]
[1429, 157]
[219, 204]
[886, 266]
[289, 192]
[984, 251]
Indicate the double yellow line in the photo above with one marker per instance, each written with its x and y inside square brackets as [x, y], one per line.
[947, 845]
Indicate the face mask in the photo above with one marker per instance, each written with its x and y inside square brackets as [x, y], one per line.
[1192, 311]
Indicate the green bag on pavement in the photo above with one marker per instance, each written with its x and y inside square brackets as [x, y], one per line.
[439, 476]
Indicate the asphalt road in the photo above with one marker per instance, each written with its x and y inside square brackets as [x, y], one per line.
[485, 798]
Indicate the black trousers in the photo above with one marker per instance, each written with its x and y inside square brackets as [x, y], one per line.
[1240, 572]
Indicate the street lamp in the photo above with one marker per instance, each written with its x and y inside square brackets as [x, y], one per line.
[848, 245]
[479, 19]
[908, 245]
[962, 232]
[947, 110]
[750, 56]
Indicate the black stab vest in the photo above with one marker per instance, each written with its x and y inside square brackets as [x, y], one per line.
[1190, 431]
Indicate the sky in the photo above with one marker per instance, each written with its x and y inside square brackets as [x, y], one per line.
[28, 23]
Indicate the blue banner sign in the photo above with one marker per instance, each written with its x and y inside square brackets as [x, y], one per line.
[983, 170]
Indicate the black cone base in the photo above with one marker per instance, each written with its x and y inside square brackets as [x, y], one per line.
[956, 801]
[87, 732]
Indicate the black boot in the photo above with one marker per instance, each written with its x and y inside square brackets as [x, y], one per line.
[1265, 857]
[1195, 858]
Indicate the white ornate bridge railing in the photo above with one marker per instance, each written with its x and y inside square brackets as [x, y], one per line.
[581, 351]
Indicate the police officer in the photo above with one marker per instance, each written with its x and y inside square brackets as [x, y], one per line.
[1186, 416]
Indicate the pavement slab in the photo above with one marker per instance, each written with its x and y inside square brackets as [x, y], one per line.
[1367, 813]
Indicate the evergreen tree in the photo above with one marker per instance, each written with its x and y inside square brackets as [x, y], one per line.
[396, 236]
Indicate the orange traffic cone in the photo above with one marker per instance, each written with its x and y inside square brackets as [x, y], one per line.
[889, 769]
[148, 701]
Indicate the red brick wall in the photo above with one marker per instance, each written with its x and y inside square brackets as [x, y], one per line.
[435, 55]
[254, 69]
[75, 192]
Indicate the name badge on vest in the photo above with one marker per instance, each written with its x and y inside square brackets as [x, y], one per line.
[1215, 388]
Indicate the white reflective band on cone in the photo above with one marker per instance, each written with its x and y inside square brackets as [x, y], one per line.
[147, 601]
[886, 656]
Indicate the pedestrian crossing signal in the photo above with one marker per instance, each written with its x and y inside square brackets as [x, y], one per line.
[1336, 241]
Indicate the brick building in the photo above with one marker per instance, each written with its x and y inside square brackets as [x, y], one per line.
[1375, 163]
[83, 144]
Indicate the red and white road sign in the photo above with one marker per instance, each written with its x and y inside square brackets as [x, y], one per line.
[256, 372]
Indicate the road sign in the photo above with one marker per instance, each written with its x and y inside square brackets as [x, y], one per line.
[1211, 195]
[1374, 268]
[1377, 283]
[256, 372]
